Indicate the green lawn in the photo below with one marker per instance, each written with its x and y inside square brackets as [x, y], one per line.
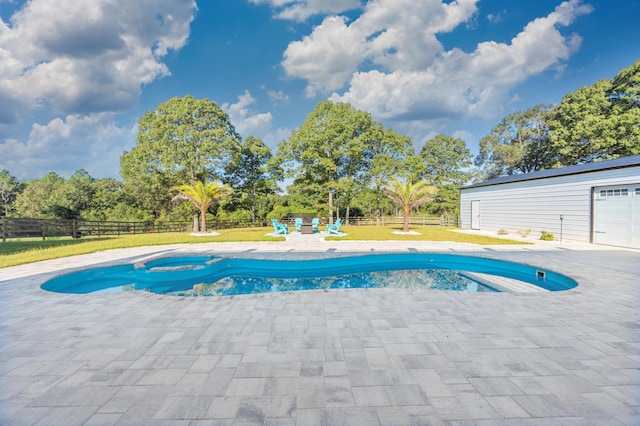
[17, 252]
[426, 233]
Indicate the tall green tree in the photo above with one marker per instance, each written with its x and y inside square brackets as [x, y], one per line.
[305, 197]
[202, 195]
[387, 152]
[329, 146]
[409, 195]
[444, 161]
[250, 174]
[600, 121]
[39, 197]
[519, 144]
[74, 196]
[110, 201]
[10, 187]
[182, 140]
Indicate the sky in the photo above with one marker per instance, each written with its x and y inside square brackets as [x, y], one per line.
[77, 75]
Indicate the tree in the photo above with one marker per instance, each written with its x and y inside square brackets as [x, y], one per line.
[39, 197]
[409, 196]
[442, 161]
[110, 201]
[519, 144]
[183, 140]
[249, 173]
[10, 187]
[202, 195]
[387, 152]
[599, 122]
[328, 147]
[74, 197]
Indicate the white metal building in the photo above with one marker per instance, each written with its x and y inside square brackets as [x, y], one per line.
[594, 202]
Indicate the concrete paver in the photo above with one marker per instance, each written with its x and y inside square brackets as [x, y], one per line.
[361, 356]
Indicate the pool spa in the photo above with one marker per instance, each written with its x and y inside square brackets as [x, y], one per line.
[227, 276]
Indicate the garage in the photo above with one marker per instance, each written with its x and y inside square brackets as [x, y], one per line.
[617, 216]
[596, 202]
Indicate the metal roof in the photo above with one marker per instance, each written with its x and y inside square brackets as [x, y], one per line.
[617, 163]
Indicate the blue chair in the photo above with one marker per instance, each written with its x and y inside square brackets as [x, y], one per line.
[279, 228]
[315, 224]
[334, 228]
[298, 223]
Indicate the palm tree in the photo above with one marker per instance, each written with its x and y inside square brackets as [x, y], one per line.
[202, 195]
[409, 196]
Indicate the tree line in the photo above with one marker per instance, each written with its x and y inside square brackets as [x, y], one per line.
[337, 163]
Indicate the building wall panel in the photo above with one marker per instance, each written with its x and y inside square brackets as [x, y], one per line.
[536, 205]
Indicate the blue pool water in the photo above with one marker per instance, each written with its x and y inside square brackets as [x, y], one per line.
[215, 276]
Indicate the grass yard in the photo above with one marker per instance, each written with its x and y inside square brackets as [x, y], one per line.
[17, 252]
[425, 233]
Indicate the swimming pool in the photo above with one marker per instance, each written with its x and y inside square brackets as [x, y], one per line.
[217, 276]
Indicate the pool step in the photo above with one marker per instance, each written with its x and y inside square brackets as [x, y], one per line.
[504, 284]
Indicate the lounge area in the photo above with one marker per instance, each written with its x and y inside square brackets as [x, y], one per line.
[304, 224]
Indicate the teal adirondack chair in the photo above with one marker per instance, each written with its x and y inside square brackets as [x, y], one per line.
[334, 228]
[298, 223]
[315, 224]
[279, 228]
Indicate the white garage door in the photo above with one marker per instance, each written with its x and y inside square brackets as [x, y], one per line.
[617, 216]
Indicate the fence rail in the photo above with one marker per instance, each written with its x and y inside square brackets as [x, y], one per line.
[47, 228]
[399, 220]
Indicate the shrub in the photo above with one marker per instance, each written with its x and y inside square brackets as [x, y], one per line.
[524, 233]
[503, 232]
[546, 236]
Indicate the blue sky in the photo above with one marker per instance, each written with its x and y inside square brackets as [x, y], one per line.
[75, 79]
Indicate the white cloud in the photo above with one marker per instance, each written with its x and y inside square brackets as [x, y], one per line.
[277, 97]
[93, 142]
[495, 18]
[246, 122]
[86, 58]
[390, 34]
[328, 57]
[300, 10]
[389, 61]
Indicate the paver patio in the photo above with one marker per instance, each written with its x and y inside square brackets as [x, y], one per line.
[364, 356]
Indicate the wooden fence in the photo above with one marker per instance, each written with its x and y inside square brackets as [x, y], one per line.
[399, 220]
[47, 228]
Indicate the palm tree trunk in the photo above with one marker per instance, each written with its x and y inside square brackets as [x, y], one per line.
[203, 220]
[405, 228]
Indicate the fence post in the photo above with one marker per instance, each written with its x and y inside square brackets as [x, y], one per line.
[4, 229]
[44, 230]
